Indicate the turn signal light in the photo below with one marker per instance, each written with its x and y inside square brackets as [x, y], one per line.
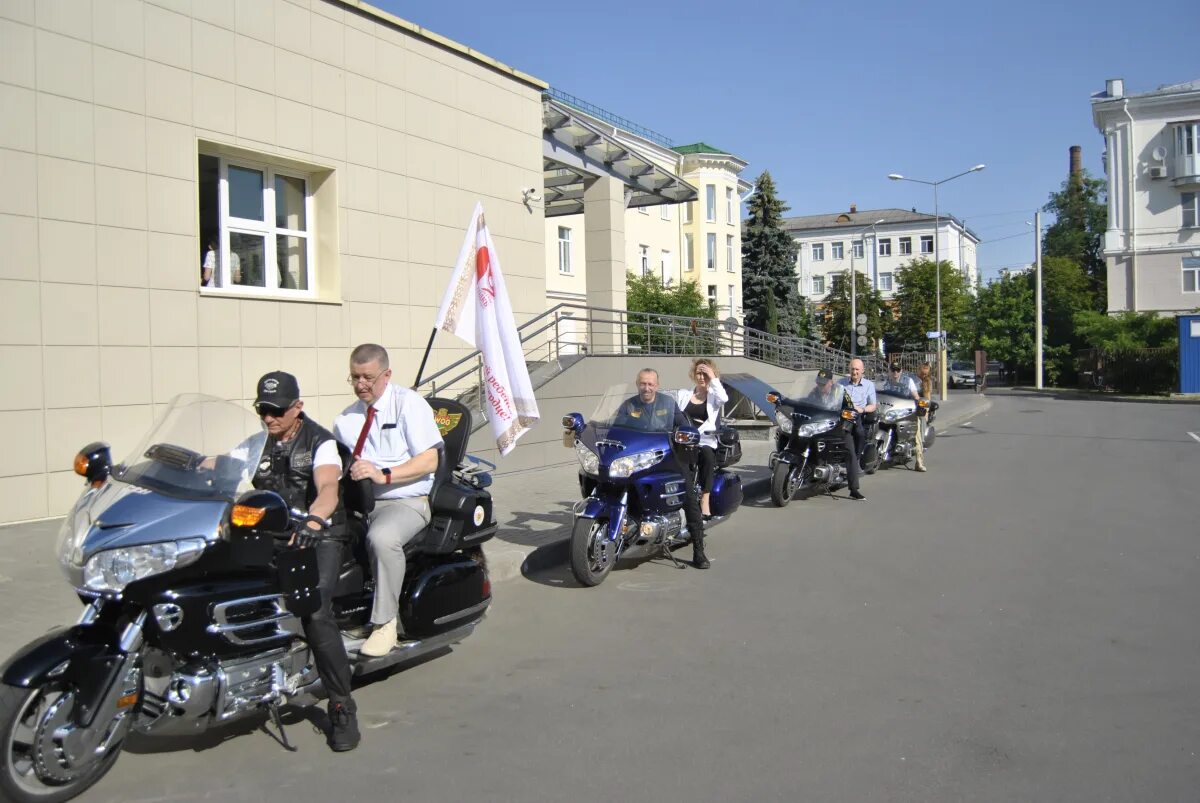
[773, 398]
[127, 700]
[848, 415]
[245, 516]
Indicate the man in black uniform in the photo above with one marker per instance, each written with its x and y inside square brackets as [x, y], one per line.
[301, 463]
[651, 411]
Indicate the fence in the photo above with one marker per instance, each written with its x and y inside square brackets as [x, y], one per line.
[1153, 370]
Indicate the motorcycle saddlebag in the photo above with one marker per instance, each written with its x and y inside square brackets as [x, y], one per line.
[461, 517]
[729, 447]
[444, 595]
[726, 493]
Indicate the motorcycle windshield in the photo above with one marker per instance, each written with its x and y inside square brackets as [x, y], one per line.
[904, 385]
[621, 407]
[827, 399]
[201, 447]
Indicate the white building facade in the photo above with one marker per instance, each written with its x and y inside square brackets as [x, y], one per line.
[875, 243]
[1152, 164]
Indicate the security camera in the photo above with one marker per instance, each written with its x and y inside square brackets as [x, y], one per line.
[531, 194]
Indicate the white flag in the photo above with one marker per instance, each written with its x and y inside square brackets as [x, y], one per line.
[476, 308]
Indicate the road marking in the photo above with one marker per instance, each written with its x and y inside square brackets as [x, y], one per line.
[967, 423]
[1195, 437]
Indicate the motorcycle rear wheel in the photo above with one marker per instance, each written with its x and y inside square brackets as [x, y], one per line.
[22, 722]
[592, 554]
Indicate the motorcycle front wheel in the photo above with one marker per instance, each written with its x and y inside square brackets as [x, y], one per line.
[39, 765]
[592, 553]
[784, 480]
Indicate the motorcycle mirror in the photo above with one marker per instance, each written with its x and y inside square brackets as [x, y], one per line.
[573, 422]
[94, 463]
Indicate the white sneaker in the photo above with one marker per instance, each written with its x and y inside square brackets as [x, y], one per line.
[380, 642]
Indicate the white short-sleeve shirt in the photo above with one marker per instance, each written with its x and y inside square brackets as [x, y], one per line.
[403, 428]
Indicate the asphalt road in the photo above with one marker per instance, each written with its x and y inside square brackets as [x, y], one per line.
[1018, 624]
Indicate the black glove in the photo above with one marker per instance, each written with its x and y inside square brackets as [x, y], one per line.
[306, 536]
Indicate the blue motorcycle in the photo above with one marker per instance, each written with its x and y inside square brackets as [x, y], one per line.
[633, 475]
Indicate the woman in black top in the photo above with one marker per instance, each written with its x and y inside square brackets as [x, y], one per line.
[702, 406]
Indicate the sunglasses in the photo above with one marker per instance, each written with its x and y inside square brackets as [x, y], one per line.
[265, 409]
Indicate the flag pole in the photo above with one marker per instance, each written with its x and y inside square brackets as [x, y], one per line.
[424, 358]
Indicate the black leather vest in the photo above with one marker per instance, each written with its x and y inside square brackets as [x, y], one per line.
[287, 468]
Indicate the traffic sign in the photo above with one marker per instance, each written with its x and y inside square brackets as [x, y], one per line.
[862, 317]
[862, 329]
[934, 335]
[862, 340]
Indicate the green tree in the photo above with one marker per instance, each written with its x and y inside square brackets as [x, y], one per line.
[1126, 330]
[1004, 321]
[769, 293]
[1080, 210]
[916, 304]
[1066, 291]
[835, 327]
[646, 294]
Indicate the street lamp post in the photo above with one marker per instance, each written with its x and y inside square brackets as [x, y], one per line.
[854, 286]
[938, 263]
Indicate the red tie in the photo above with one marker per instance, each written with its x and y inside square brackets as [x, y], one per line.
[362, 436]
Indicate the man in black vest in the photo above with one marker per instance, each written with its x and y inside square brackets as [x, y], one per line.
[301, 463]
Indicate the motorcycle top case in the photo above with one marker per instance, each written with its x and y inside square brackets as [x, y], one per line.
[461, 517]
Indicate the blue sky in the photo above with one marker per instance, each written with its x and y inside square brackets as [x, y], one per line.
[831, 97]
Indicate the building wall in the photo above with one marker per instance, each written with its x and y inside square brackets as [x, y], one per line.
[106, 106]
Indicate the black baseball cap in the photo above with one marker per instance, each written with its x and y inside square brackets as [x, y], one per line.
[896, 366]
[824, 376]
[278, 388]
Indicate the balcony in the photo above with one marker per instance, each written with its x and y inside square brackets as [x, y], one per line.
[1186, 174]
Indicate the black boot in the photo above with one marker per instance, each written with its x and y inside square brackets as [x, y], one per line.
[343, 732]
[699, 559]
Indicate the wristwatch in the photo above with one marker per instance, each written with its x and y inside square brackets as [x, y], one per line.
[387, 476]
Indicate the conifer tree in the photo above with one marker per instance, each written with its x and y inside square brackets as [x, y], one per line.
[769, 289]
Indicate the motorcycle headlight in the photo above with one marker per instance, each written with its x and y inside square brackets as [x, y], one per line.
[588, 460]
[633, 463]
[113, 569]
[784, 421]
[893, 415]
[817, 427]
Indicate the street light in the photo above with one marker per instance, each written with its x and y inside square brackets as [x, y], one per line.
[854, 286]
[938, 264]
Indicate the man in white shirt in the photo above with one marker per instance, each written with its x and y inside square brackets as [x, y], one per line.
[394, 443]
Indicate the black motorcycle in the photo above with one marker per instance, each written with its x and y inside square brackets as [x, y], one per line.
[193, 598]
[810, 448]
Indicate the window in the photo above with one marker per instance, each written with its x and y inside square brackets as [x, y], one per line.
[710, 203]
[729, 218]
[885, 247]
[1187, 137]
[885, 282]
[1191, 274]
[729, 263]
[856, 248]
[1191, 218]
[689, 252]
[905, 246]
[926, 243]
[818, 285]
[256, 223]
[711, 240]
[664, 211]
[645, 210]
[664, 267]
[644, 257]
[564, 249]
[818, 252]
[712, 295]
[687, 211]
[731, 299]
[836, 251]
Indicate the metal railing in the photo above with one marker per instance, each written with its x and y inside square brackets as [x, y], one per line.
[567, 332]
[608, 117]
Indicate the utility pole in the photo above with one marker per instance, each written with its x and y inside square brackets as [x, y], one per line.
[1037, 244]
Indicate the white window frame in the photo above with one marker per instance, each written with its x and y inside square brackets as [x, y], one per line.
[1191, 267]
[711, 250]
[857, 248]
[1189, 202]
[564, 249]
[818, 285]
[729, 261]
[729, 206]
[264, 228]
[710, 203]
[905, 246]
[731, 305]
[712, 295]
[926, 240]
[645, 210]
[689, 252]
[837, 250]
[886, 284]
[664, 211]
[817, 250]
[687, 212]
[644, 253]
[664, 267]
[885, 242]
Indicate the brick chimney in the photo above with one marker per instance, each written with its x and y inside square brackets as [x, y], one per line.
[853, 208]
[1076, 160]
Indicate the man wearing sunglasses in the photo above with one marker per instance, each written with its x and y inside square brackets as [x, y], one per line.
[301, 463]
[900, 382]
[394, 443]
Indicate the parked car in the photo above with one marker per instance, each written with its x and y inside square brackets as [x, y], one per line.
[961, 375]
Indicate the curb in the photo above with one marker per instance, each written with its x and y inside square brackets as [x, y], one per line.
[1175, 398]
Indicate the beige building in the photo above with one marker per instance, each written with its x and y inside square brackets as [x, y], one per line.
[329, 152]
[1152, 163]
[691, 232]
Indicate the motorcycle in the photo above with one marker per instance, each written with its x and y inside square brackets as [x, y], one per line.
[632, 477]
[899, 415]
[810, 449]
[193, 599]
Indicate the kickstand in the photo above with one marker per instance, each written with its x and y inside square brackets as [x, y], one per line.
[273, 708]
[666, 550]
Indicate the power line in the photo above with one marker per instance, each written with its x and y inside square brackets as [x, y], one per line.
[1009, 237]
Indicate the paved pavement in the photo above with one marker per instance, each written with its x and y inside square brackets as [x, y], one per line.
[1017, 624]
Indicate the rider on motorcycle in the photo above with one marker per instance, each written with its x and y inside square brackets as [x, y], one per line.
[301, 463]
[903, 384]
[830, 395]
[652, 411]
